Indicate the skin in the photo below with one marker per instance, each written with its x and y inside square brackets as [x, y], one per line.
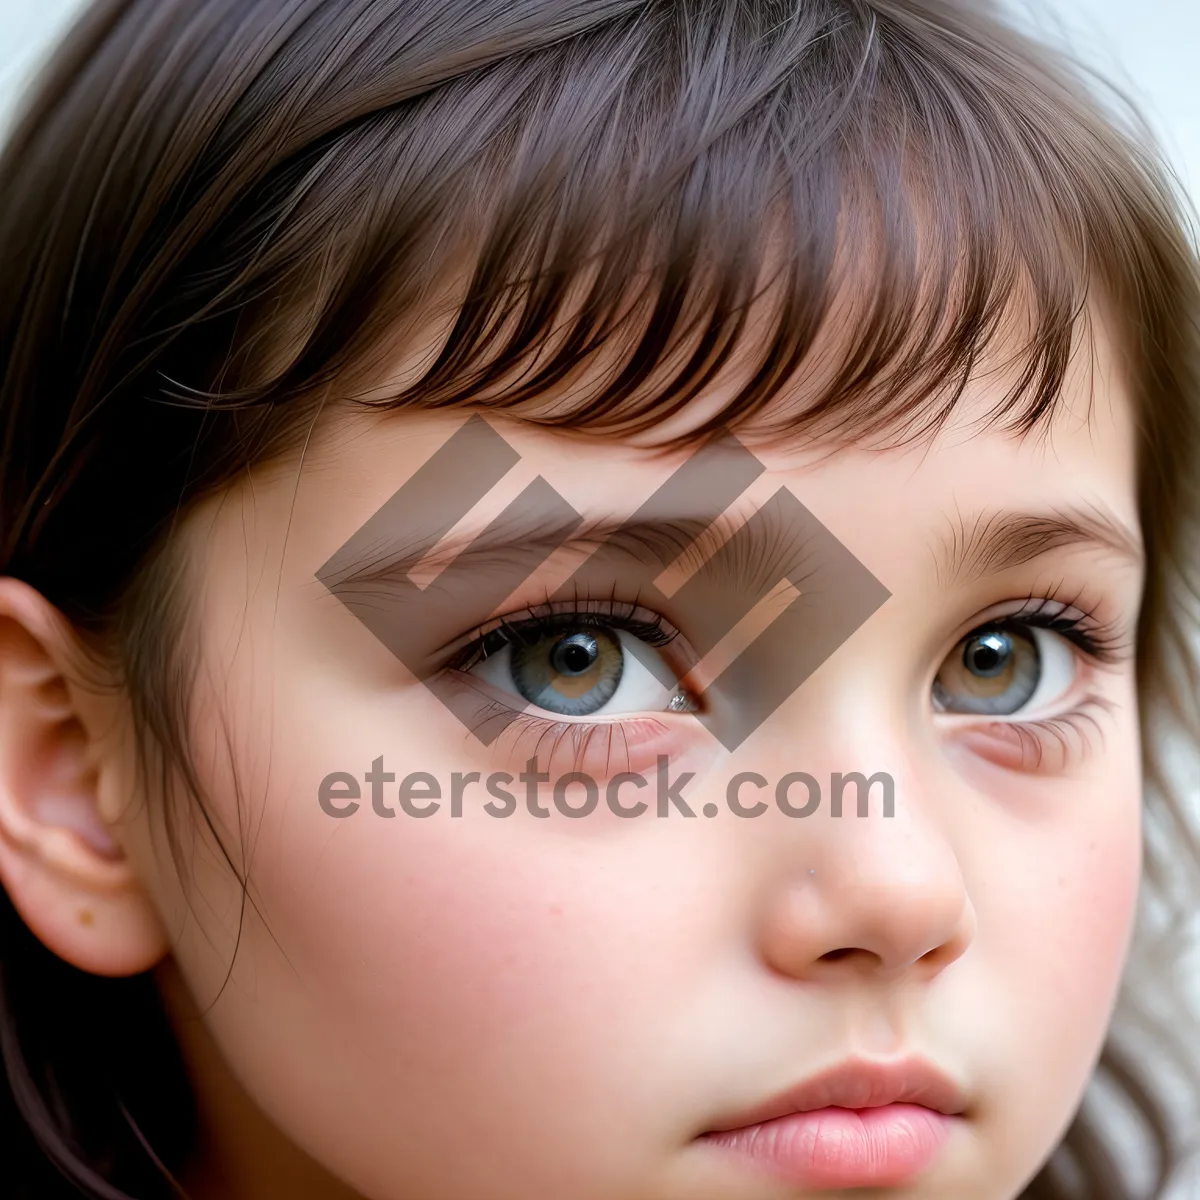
[512, 1008]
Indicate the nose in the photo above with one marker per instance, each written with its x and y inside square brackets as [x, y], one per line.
[879, 894]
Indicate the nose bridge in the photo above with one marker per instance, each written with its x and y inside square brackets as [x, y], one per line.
[873, 875]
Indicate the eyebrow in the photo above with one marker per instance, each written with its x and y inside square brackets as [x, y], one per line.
[973, 548]
[994, 541]
[661, 541]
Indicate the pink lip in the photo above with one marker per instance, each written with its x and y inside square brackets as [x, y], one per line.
[860, 1124]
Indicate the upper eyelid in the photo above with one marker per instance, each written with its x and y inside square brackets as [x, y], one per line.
[464, 645]
[1096, 609]
[621, 610]
[553, 609]
[1109, 639]
[1112, 644]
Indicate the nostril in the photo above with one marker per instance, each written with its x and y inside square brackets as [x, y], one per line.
[837, 955]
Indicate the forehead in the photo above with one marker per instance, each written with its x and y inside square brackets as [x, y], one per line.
[1088, 441]
[1085, 449]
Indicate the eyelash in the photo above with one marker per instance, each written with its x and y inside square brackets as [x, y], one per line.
[518, 629]
[1104, 643]
[1082, 723]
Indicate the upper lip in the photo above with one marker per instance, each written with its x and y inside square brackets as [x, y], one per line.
[861, 1083]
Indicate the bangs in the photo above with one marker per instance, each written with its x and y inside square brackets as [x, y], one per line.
[606, 213]
[880, 197]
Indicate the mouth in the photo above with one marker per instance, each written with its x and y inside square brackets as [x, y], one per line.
[859, 1124]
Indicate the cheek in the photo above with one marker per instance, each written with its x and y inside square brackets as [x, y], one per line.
[1057, 907]
[1069, 918]
[507, 973]
[1053, 860]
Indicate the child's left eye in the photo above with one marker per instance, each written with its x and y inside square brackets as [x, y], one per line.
[578, 665]
[1002, 670]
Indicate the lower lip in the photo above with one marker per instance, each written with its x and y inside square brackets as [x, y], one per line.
[843, 1147]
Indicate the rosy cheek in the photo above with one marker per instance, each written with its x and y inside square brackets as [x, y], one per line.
[1094, 895]
[467, 955]
[1055, 882]
[405, 933]
[1088, 899]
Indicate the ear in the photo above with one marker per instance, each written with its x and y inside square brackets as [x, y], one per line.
[62, 862]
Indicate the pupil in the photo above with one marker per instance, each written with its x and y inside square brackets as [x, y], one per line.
[988, 654]
[574, 655]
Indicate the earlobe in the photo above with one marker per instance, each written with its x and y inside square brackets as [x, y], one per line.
[61, 865]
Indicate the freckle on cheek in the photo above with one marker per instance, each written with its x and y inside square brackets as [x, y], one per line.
[86, 917]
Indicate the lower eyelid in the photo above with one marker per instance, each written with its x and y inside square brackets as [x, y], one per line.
[596, 746]
[513, 702]
[1045, 745]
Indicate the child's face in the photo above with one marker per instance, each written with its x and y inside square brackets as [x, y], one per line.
[474, 1006]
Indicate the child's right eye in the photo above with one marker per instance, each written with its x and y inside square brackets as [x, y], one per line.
[581, 664]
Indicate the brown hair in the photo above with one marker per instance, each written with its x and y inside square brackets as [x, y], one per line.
[215, 214]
